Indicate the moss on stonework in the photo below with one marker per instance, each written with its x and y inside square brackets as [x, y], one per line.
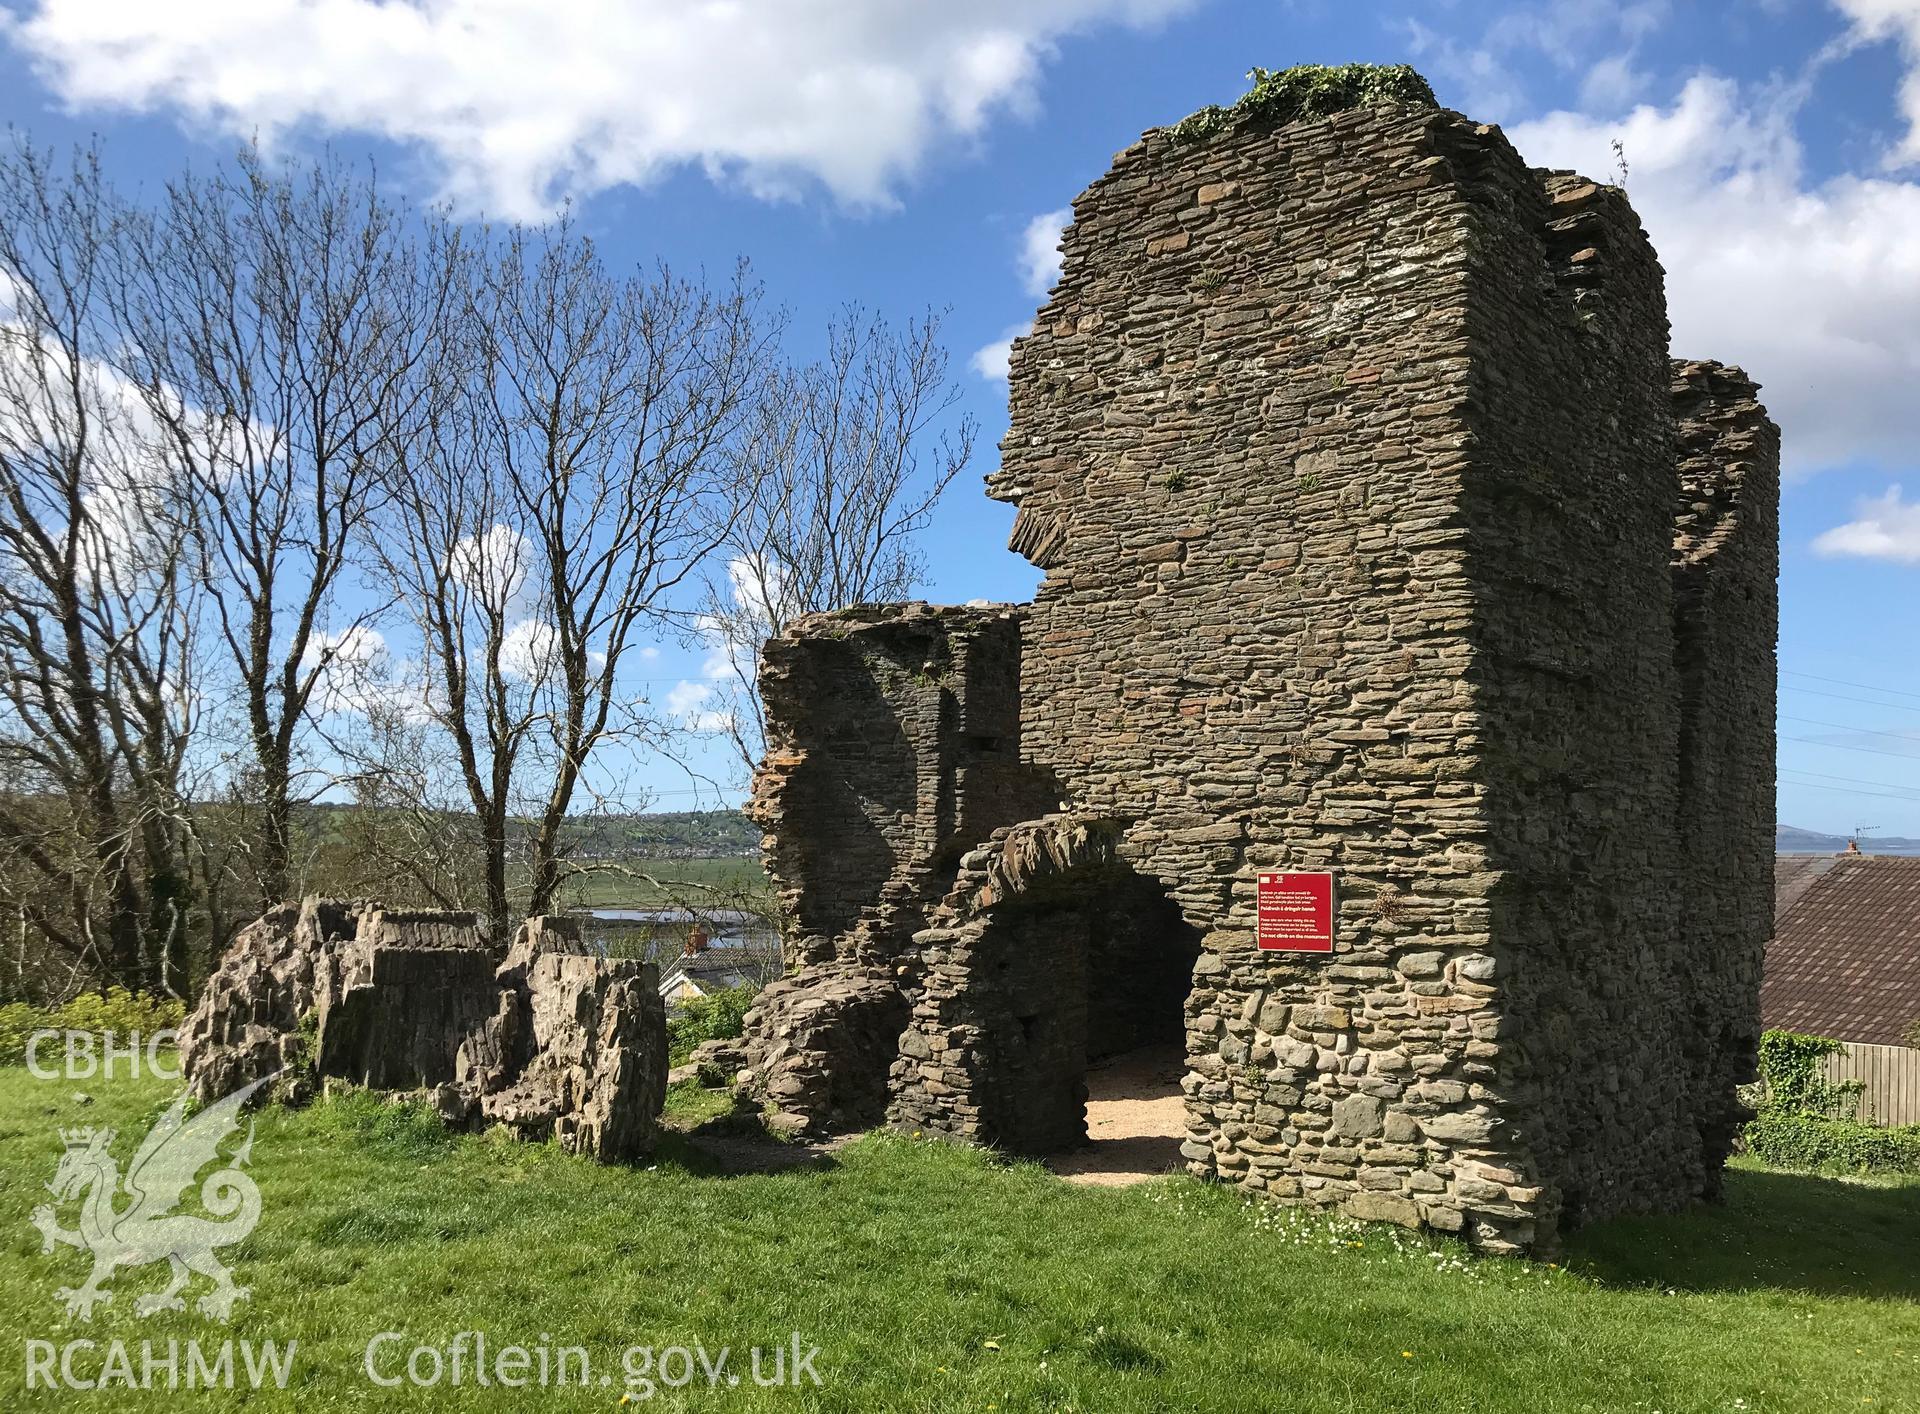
[1309, 91]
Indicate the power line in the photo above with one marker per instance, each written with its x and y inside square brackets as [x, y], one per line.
[1907, 737]
[1842, 682]
[1850, 780]
[1866, 750]
[1849, 790]
[1847, 697]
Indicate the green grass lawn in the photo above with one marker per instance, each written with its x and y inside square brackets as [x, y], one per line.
[933, 1278]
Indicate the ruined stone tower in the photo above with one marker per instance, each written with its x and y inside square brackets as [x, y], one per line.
[1381, 540]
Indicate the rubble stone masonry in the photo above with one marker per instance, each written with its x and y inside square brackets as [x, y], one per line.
[1380, 536]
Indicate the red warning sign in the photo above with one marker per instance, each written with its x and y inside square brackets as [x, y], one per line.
[1296, 912]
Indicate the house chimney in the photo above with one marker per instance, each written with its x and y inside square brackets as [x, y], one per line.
[1853, 846]
[696, 940]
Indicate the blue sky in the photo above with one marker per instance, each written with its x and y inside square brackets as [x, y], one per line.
[908, 154]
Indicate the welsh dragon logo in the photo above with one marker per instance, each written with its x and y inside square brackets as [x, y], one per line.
[147, 1229]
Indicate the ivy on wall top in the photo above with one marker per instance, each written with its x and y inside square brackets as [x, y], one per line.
[1308, 91]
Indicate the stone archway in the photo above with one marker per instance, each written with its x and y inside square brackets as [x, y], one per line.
[1049, 953]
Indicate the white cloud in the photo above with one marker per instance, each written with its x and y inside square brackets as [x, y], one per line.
[758, 585]
[352, 663]
[527, 651]
[1886, 528]
[523, 103]
[990, 360]
[530, 652]
[1039, 267]
[1040, 250]
[686, 704]
[1876, 21]
[1813, 287]
[1612, 82]
[1487, 75]
[129, 523]
[360, 644]
[492, 565]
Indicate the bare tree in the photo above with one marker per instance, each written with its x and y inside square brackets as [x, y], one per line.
[276, 322]
[848, 457]
[574, 471]
[97, 605]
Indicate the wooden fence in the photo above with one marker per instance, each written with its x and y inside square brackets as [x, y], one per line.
[1891, 1075]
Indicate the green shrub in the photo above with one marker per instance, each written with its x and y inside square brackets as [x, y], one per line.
[1804, 1120]
[116, 1012]
[1281, 96]
[719, 1016]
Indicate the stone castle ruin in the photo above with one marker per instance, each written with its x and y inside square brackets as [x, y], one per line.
[1381, 537]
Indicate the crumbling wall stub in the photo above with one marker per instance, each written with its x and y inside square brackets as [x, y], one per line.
[246, 1025]
[1726, 564]
[894, 744]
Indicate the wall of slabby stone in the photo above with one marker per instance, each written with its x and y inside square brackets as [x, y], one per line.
[1046, 954]
[1239, 447]
[1379, 537]
[1349, 454]
[893, 740]
[1571, 499]
[893, 746]
[1726, 564]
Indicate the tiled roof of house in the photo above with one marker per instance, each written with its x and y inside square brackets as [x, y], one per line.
[1845, 957]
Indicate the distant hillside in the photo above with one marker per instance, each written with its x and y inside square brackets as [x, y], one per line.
[1788, 839]
[700, 834]
[670, 834]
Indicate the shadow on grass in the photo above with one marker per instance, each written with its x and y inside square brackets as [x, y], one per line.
[1781, 1231]
[735, 1142]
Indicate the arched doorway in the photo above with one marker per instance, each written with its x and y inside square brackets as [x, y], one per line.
[1053, 957]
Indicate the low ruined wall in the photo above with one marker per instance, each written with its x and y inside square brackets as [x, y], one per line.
[555, 1043]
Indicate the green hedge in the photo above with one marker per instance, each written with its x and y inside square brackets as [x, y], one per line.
[1808, 1142]
[1804, 1121]
[116, 1012]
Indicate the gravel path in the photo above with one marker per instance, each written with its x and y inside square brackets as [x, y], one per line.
[1136, 1120]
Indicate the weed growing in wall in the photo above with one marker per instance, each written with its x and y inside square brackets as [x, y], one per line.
[1281, 96]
